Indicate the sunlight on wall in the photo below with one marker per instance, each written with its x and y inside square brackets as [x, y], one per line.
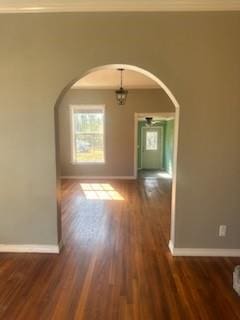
[100, 191]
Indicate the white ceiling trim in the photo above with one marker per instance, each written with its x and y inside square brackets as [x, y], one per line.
[30, 6]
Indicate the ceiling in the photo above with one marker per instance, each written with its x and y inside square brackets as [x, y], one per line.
[110, 79]
[16, 6]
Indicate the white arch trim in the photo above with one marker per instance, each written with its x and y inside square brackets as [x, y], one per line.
[176, 129]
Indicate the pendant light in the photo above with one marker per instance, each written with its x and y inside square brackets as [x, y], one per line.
[121, 94]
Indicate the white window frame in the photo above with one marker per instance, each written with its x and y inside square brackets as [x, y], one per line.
[86, 107]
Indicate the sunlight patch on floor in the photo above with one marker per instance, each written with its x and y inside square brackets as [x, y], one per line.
[164, 175]
[100, 191]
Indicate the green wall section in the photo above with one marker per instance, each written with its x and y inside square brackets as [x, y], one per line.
[168, 128]
[168, 145]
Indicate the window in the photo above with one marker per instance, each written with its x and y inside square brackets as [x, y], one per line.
[151, 140]
[87, 134]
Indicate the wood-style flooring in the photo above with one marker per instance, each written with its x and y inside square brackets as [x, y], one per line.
[115, 263]
[148, 173]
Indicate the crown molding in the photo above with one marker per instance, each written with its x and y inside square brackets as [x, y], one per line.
[31, 6]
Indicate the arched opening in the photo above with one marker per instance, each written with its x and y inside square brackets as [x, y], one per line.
[174, 102]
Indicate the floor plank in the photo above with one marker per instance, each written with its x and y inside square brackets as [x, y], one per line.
[115, 263]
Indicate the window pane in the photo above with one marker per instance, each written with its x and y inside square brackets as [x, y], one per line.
[88, 122]
[151, 140]
[88, 136]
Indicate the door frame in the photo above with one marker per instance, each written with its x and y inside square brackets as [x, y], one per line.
[161, 146]
[138, 117]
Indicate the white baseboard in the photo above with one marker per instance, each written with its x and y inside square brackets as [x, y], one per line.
[100, 177]
[203, 252]
[30, 248]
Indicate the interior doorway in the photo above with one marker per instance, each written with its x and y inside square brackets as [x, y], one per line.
[150, 140]
[154, 141]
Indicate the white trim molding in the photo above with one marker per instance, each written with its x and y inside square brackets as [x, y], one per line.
[29, 6]
[203, 252]
[100, 177]
[30, 248]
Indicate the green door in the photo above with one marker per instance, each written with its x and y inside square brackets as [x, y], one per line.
[152, 148]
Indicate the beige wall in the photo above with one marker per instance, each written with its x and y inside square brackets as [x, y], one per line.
[195, 54]
[119, 128]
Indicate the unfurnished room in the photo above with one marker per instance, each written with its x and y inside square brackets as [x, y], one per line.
[119, 134]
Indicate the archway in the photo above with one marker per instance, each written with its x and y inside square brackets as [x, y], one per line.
[176, 129]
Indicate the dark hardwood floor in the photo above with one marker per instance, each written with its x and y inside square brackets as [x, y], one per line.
[115, 263]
